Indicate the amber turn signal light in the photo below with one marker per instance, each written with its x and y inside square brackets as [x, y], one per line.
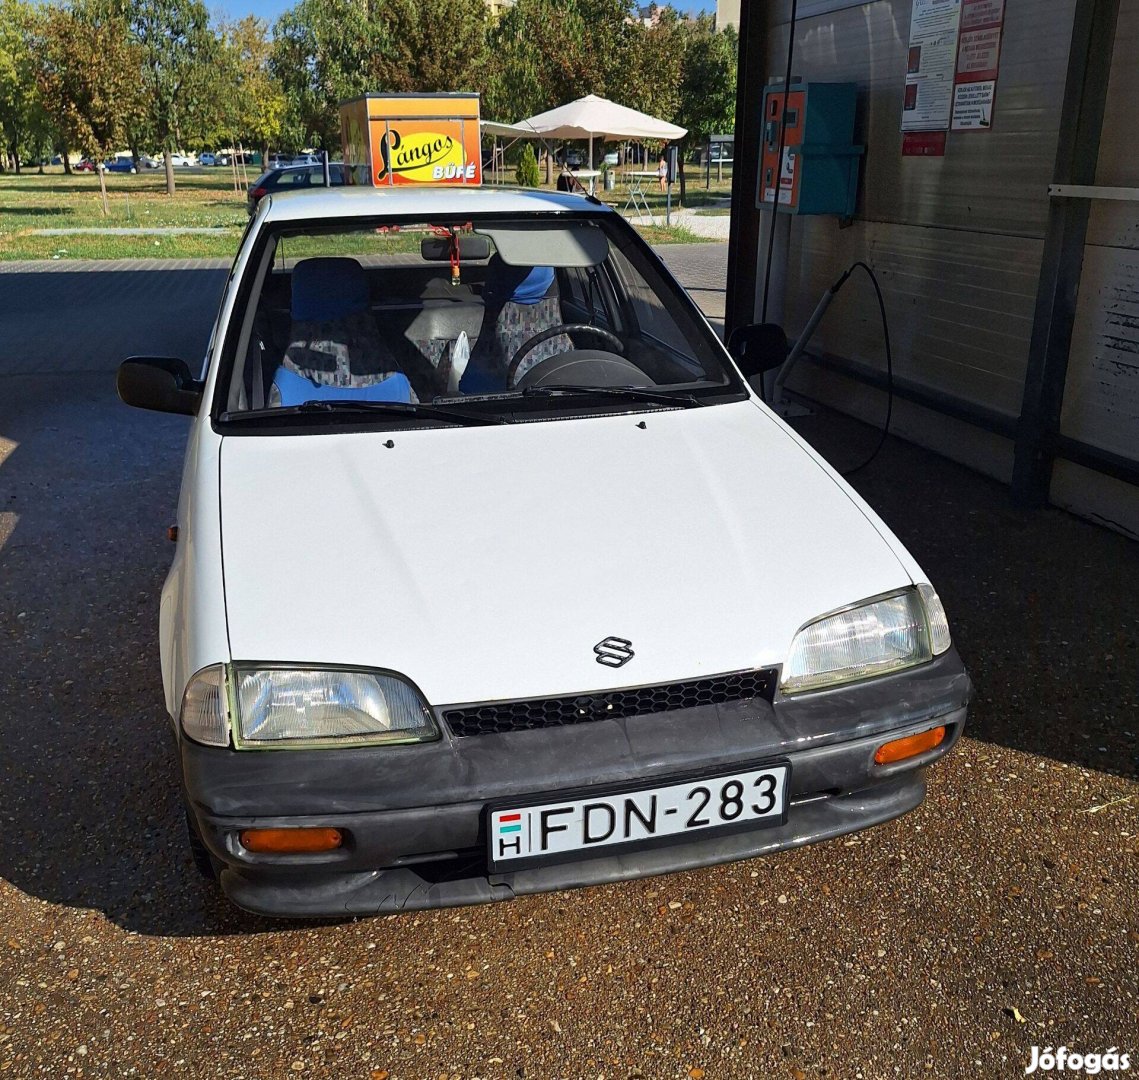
[291, 841]
[910, 746]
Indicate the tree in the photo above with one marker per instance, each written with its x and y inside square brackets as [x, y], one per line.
[21, 114]
[323, 52]
[655, 67]
[707, 85]
[88, 77]
[545, 53]
[327, 50]
[434, 45]
[250, 104]
[526, 174]
[177, 49]
[549, 52]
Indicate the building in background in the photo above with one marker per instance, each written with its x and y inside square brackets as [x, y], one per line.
[727, 13]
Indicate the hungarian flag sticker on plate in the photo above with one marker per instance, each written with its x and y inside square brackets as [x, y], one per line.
[565, 829]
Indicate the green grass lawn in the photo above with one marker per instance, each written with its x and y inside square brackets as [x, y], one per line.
[203, 199]
[55, 201]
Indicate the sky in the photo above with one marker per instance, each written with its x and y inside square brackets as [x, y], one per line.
[270, 9]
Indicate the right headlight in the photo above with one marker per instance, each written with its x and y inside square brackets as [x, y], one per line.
[881, 636]
[292, 707]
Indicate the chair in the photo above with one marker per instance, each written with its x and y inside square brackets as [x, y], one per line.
[521, 301]
[335, 350]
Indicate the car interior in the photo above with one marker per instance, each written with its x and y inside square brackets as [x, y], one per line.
[475, 312]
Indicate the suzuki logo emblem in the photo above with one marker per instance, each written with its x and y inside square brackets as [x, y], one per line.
[614, 651]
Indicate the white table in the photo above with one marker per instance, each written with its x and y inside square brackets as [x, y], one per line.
[636, 180]
[585, 174]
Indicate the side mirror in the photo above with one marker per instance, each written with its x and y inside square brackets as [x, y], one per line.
[758, 348]
[160, 383]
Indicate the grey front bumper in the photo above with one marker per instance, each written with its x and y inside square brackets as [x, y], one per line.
[414, 815]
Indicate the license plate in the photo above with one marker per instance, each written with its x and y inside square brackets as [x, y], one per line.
[564, 829]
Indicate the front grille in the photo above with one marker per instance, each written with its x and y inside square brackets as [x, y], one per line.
[502, 716]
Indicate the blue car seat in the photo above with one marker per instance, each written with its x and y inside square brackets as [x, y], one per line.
[521, 301]
[335, 350]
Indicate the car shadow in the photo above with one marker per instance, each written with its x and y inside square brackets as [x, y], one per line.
[1043, 606]
[92, 814]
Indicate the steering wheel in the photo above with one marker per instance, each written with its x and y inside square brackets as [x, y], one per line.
[554, 331]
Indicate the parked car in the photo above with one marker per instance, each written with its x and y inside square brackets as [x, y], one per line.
[305, 159]
[181, 161]
[148, 162]
[610, 158]
[293, 178]
[207, 159]
[84, 165]
[122, 163]
[571, 157]
[575, 608]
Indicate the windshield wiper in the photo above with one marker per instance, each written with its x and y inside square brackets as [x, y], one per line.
[391, 408]
[632, 393]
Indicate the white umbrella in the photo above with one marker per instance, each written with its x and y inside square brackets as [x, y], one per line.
[594, 117]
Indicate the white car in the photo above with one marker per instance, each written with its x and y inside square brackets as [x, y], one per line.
[494, 576]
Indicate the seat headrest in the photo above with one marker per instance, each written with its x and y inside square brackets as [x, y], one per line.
[515, 284]
[328, 288]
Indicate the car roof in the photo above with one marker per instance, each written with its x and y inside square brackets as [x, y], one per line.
[359, 201]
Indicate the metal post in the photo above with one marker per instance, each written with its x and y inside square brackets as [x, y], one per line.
[744, 239]
[1081, 123]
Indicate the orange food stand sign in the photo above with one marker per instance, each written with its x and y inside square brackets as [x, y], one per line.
[392, 139]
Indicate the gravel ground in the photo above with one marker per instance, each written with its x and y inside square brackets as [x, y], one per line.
[1003, 913]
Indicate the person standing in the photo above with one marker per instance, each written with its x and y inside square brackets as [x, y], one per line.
[662, 171]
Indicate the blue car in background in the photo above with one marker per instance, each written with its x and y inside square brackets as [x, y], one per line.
[123, 163]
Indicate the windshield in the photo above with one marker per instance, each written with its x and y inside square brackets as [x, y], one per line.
[495, 315]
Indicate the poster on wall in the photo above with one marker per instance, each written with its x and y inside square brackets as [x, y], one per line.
[973, 106]
[928, 100]
[978, 64]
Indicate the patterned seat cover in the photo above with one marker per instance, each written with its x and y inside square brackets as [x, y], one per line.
[334, 341]
[521, 301]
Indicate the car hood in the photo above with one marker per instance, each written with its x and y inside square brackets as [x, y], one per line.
[486, 563]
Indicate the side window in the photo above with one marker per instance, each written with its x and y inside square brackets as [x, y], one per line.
[575, 286]
[648, 308]
[584, 290]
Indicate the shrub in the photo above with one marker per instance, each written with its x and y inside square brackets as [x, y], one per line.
[526, 175]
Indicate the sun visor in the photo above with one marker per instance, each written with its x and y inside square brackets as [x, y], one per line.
[559, 243]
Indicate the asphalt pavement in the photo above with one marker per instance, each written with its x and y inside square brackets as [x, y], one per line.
[1002, 914]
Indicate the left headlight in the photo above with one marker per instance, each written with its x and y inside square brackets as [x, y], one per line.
[881, 636]
[281, 708]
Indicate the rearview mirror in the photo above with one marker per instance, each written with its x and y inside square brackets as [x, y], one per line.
[472, 248]
[161, 383]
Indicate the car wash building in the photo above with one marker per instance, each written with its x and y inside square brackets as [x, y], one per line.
[980, 156]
